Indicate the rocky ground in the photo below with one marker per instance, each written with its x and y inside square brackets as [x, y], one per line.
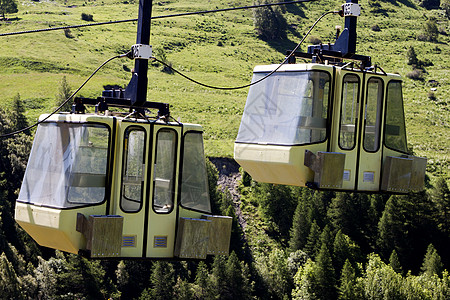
[229, 176]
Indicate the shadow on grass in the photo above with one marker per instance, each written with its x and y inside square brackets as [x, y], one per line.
[282, 45]
[296, 10]
[407, 3]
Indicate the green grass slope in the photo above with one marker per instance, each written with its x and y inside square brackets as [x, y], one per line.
[218, 49]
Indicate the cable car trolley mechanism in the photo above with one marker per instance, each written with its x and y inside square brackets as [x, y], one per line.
[121, 184]
[336, 123]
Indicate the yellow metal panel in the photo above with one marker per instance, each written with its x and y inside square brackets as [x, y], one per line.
[276, 164]
[54, 228]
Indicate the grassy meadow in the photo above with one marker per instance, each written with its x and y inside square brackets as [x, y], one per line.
[218, 49]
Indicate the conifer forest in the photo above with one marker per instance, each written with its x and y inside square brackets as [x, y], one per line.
[287, 242]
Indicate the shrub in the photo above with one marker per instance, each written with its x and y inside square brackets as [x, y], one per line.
[87, 17]
[412, 56]
[429, 4]
[445, 5]
[375, 28]
[269, 22]
[315, 40]
[431, 96]
[430, 32]
[415, 74]
[68, 33]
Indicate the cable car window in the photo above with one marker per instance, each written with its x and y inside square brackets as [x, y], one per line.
[372, 116]
[394, 127]
[287, 108]
[67, 165]
[349, 112]
[133, 169]
[164, 171]
[194, 185]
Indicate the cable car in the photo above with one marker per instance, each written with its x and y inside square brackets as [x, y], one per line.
[122, 185]
[115, 186]
[329, 124]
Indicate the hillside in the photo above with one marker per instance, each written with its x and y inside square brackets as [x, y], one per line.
[217, 49]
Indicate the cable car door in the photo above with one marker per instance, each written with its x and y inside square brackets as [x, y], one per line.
[345, 131]
[370, 150]
[133, 188]
[162, 207]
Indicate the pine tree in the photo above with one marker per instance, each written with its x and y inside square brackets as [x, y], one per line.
[122, 275]
[300, 228]
[412, 56]
[347, 288]
[432, 262]
[395, 263]
[64, 93]
[391, 227]
[313, 241]
[276, 203]
[9, 282]
[218, 282]
[275, 273]
[344, 249]
[237, 285]
[440, 196]
[162, 282]
[305, 287]
[182, 290]
[19, 121]
[201, 281]
[325, 274]
[350, 213]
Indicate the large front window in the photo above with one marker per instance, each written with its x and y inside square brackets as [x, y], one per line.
[287, 108]
[67, 165]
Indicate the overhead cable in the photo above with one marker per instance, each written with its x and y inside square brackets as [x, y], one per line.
[153, 18]
[259, 80]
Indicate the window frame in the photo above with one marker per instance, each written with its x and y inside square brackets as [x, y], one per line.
[379, 114]
[355, 123]
[124, 160]
[174, 174]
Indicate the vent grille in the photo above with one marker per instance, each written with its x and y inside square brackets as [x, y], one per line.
[160, 242]
[129, 241]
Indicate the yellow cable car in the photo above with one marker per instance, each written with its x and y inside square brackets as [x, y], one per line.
[328, 124]
[115, 186]
[329, 127]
